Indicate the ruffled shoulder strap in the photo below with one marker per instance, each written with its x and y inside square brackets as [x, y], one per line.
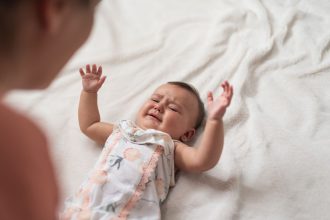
[137, 135]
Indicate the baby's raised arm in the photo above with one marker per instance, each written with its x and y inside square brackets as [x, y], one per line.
[207, 154]
[88, 112]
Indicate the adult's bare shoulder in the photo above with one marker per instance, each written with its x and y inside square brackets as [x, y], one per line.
[28, 181]
[16, 128]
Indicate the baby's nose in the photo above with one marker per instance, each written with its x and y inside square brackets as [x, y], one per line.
[159, 107]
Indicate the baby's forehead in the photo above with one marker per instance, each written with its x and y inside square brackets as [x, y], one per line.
[177, 93]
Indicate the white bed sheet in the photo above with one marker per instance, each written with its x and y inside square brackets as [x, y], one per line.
[276, 158]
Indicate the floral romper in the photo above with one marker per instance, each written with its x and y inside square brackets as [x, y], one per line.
[130, 179]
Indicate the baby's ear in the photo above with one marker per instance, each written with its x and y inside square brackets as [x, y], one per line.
[188, 135]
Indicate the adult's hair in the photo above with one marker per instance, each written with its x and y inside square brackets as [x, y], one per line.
[193, 90]
[10, 20]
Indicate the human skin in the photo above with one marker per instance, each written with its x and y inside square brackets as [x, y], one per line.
[170, 109]
[47, 33]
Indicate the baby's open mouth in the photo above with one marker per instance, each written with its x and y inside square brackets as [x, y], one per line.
[155, 116]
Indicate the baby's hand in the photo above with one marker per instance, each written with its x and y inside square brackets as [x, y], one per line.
[217, 108]
[92, 80]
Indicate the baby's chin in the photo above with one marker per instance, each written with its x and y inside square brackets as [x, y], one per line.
[151, 125]
[147, 124]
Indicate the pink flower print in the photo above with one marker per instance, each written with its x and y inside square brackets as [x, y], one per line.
[85, 201]
[160, 187]
[99, 177]
[132, 154]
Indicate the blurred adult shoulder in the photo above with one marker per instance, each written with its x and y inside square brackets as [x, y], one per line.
[16, 128]
[37, 38]
[26, 170]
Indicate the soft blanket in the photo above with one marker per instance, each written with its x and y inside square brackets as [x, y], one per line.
[277, 131]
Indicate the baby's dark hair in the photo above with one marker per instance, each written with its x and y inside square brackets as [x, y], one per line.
[194, 91]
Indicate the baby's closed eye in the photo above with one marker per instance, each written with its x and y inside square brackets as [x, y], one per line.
[173, 108]
[154, 100]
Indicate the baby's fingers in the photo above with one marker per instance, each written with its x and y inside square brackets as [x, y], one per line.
[209, 98]
[99, 71]
[228, 90]
[224, 86]
[88, 68]
[82, 73]
[94, 69]
[101, 81]
[229, 95]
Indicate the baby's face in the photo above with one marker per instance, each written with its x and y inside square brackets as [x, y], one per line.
[170, 109]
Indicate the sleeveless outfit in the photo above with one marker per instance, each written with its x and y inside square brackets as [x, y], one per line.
[130, 180]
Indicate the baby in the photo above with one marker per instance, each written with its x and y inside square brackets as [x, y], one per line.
[138, 162]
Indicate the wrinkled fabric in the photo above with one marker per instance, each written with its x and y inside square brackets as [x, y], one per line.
[131, 178]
